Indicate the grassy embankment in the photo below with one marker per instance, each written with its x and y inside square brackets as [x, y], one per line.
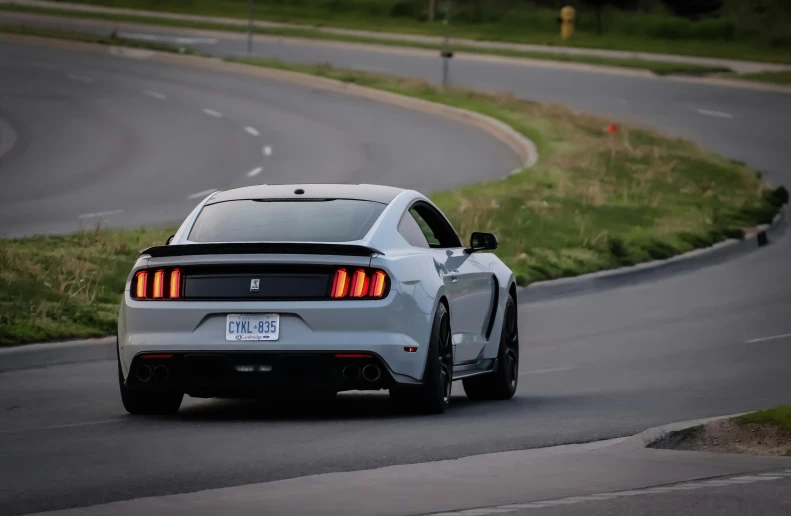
[765, 432]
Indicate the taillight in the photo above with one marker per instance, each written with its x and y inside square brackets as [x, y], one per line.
[340, 285]
[175, 284]
[361, 284]
[142, 284]
[157, 284]
[377, 284]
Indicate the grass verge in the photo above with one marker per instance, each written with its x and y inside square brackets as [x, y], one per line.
[783, 78]
[58, 287]
[778, 416]
[627, 31]
[87, 37]
[595, 200]
[657, 67]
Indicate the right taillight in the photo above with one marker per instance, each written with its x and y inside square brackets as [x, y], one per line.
[359, 284]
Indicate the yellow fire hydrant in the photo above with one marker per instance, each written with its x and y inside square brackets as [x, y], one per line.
[567, 22]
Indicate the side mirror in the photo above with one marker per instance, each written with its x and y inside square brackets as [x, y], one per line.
[170, 239]
[482, 242]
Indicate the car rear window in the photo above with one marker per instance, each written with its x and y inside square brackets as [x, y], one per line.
[334, 220]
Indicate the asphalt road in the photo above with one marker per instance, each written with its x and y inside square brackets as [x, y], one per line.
[129, 142]
[594, 366]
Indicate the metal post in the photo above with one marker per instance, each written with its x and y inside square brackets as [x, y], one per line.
[250, 27]
[446, 53]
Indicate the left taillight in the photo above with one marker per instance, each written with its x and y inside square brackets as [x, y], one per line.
[160, 284]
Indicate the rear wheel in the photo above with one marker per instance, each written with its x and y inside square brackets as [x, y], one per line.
[147, 402]
[433, 396]
[502, 383]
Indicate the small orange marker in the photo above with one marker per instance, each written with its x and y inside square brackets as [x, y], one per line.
[612, 128]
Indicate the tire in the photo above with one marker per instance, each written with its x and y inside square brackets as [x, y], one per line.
[433, 396]
[146, 402]
[500, 384]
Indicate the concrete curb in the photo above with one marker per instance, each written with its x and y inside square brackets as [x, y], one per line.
[517, 142]
[33, 356]
[650, 271]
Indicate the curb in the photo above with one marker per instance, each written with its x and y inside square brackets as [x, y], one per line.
[34, 356]
[651, 435]
[523, 147]
[650, 271]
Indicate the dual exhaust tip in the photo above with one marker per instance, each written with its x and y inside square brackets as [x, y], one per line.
[369, 373]
[146, 373]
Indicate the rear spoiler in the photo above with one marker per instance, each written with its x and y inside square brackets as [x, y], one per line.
[259, 248]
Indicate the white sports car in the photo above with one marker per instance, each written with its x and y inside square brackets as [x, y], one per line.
[274, 290]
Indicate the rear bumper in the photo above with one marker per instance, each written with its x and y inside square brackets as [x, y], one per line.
[383, 328]
[241, 374]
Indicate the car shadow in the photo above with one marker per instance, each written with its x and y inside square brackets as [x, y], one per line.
[356, 406]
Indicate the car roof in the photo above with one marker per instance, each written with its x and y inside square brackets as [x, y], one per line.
[361, 192]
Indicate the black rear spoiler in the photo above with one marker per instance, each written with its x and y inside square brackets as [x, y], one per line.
[259, 248]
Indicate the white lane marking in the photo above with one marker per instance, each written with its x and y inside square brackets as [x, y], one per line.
[251, 130]
[58, 427]
[755, 478]
[99, 214]
[267, 150]
[81, 78]
[766, 339]
[174, 39]
[254, 172]
[202, 193]
[211, 112]
[716, 114]
[544, 371]
[155, 94]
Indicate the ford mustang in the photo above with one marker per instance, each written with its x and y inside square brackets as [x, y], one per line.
[273, 291]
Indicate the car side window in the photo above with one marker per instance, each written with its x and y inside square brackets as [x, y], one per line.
[429, 235]
[435, 227]
[411, 231]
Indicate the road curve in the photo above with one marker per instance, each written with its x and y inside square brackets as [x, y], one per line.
[131, 142]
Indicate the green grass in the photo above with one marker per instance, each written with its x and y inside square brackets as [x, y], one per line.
[594, 201]
[783, 78]
[55, 287]
[86, 37]
[778, 416]
[624, 31]
[657, 67]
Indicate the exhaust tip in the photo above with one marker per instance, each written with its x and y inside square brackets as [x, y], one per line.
[161, 373]
[143, 373]
[371, 373]
[351, 373]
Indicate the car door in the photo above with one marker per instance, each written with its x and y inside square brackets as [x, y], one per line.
[469, 285]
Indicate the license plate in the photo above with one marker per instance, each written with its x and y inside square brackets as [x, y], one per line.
[252, 327]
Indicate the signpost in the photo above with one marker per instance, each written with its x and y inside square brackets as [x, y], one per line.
[250, 26]
[446, 52]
